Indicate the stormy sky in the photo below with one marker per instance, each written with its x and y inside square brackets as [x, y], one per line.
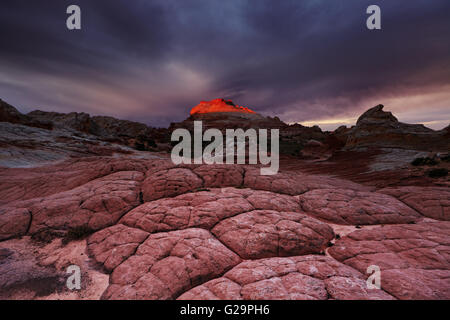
[311, 61]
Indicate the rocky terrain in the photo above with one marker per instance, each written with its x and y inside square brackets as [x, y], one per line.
[376, 127]
[39, 136]
[140, 227]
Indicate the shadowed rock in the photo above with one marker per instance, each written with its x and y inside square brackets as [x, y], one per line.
[13, 222]
[95, 205]
[377, 128]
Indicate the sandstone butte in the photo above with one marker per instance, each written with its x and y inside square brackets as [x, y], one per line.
[140, 227]
[218, 105]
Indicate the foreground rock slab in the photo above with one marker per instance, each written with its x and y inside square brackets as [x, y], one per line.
[167, 264]
[414, 259]
[309, 277]
[147, 229]
[18, 184]
[344, 206]
[295, 183]
[111, 246]
[268, 233]
[204, 208]
[14, 222]
[92, 206]
[432, 202]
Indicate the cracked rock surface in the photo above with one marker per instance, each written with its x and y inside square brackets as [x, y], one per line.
[295, 278]
[204, 208]
[432, 202]
[344, 206]
[414, 259]
[147, 229]
[94, 205]
[167, 264]
[268, 233]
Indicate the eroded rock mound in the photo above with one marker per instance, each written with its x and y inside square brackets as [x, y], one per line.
[111, 246]
[28, 183]
[95, 205]
[221, 175]
[14, 222]
[343, 206]
[432, 202]
[134, 134]
[293, 278]
[92, 130]
[170, 183]
[204, 208]
[167, 180]
[10, 114]
[218, 105]
[377, 128]
[294, 183]
[267, 233]
[167, 264]
[413, 259]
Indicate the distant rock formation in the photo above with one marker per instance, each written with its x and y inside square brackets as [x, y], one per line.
[224, 114]
[377, 128]
[133, 134]
[79, 121]
[39, 136]
[218, 105]
[10, 114]
[229, 120]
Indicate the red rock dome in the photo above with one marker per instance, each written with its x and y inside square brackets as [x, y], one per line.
[219, 105]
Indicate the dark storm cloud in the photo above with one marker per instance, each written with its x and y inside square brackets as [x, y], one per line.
[341, 58]
[153, 60]
[34, 34]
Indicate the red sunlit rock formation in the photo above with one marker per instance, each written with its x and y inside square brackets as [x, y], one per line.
[219, 105]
